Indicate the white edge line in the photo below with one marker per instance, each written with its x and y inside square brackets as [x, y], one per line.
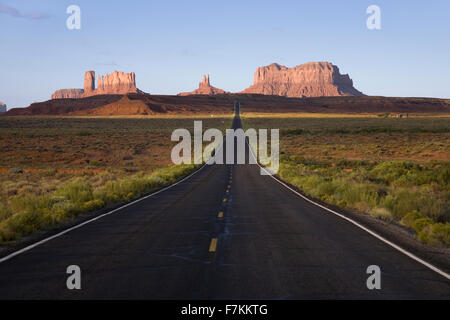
[376, 235]
[34, 245]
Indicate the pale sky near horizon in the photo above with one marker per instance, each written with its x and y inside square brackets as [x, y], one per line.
[170, 44]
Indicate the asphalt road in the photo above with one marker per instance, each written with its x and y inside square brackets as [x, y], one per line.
[270, 244]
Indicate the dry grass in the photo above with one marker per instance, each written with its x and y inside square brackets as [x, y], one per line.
[131, 144]
[53, 169]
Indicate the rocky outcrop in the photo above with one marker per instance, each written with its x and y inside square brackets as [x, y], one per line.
[114, 83]
[313, 79]
[67, 94]
[204, 87]
[117, 83]
[89, 83]
[2, 107]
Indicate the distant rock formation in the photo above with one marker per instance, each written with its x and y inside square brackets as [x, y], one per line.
[67, 94]
[312, 79]
[114, 83]
[204, 87]
[89, 83]
[117, 83]
[2, 107]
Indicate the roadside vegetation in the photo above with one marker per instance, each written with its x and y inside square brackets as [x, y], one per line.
[397, 170]
[54, 169]
[28, 212]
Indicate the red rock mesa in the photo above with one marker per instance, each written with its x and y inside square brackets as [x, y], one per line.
[113, 83]
[312, 79]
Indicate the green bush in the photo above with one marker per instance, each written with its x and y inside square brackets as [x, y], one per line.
[436, 234]
[404, 201]
[77, 191]
[421, 223]
[93, 205]
[5, 213]
[408, 220]
[403, 173]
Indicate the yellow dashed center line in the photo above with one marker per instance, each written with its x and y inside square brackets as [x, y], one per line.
[220, 215]
[213, 245]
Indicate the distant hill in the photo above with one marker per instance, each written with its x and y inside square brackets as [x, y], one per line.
[129, 104]
[346, 104]
[146, 104]
[63, 106]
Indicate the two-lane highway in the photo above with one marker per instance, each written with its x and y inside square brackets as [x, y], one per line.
[225, 232]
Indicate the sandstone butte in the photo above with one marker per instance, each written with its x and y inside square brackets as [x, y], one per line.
[204, 87]
[312, 79]
[113, 83]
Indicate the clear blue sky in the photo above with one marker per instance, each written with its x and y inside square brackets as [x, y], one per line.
[170, 44]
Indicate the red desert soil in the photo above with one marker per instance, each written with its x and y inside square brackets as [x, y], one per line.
[138, 104]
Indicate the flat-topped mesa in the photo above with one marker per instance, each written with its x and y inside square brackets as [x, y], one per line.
[312, 79]
[67, 94]
[204, 87]
[113, 83]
